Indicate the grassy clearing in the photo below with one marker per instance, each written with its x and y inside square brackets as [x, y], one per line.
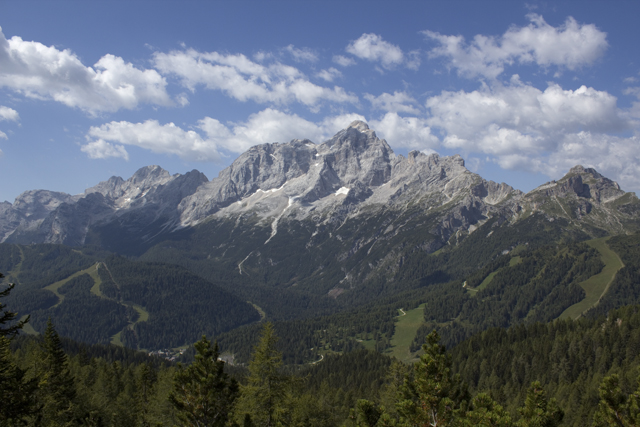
[115, 340]
[515, 260]
[91, 271]
[97, 281]
[259, 310]
[596, 286]
[472, 292]
[406, 327]
[143, 316]
[369, 344]
[27, 328]
[487, 280]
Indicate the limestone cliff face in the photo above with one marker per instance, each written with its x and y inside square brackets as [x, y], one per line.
[354, 169]
[29, 210]
[47, 217]
[354, 174]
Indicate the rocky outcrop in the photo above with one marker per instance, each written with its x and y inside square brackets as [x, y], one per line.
[29, 210]
[46, 217]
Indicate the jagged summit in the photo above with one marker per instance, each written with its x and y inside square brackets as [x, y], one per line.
[586, 183]
[359, 125]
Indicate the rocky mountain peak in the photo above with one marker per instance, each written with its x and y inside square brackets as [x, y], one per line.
[359, 125]
[38, 203]
[588, 183]
[149, 173]
[356, 136]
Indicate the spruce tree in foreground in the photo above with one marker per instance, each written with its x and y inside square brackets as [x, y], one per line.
[264, 399]
[57, 389]
[537, 411]
[435, 395]
[7, 316]
[615, 408]
[16, 392]
[203, 393]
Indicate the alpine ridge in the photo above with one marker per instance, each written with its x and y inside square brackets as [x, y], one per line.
[352, 175]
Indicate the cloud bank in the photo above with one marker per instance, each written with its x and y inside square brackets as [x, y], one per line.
[208, 140]
[571, 45]
[44, 72]
[244, 80]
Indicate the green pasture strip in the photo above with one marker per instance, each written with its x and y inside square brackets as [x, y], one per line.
[57, 285]
[143, 316]
[596, 286]
[97, 281]
[13, 274]
[259, 310]
[487, 280]
[115, 340]
[406, 327]
[513, 261]
[369, 344]
[27, 328]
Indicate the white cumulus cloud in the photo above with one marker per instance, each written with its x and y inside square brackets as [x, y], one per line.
[615, 157]
[373, 48]
[44, 72]
[266, 126]
[520, 127]
[571, 45]
[245, 80]
[302, 55]
[150, 135]
[206, 140]
[343, 61]
[100, 149]
[409, 132]
[329, 75]
[399, 102]
[505, 120]
[8, 114]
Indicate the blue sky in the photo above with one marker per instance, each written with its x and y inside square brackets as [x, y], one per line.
[522, 90]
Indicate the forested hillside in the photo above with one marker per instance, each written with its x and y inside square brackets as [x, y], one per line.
[574, 373]
[96, 297]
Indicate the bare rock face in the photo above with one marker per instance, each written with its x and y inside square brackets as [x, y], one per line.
[352, 175]
[29, 210]
[47, 217]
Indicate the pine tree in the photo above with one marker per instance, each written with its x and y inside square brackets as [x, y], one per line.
[264, 397]
[368, 414]
[146, 378]
[203, 393]
[57, 388]
[16, 391]
[537, 411]
[435, 395]
[616, 409]
[486, 412]
[7, 316]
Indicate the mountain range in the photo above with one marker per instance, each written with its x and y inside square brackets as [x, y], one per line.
[351, 175]
[303, 229]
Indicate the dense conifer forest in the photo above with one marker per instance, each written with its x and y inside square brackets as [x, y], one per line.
[567, 372]
[496, 346]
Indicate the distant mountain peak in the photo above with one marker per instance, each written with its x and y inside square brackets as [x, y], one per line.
[360, 125]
